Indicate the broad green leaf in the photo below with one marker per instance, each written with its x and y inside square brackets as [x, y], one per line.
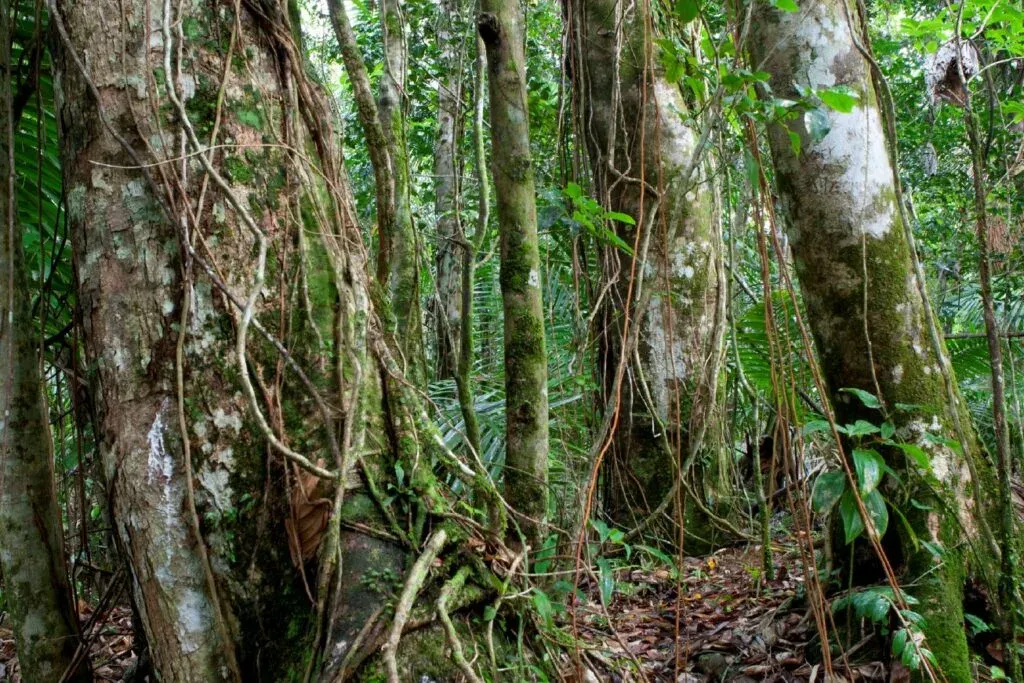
[794, 141]
[869, 466]
[861, 428]
[875, 504]
[786, 5]
[867, 398]
[916, 453]
[620, 217]
[841, 99]
[853, 525]
[815, 426]
[687, 10]
[828, 487]
[542, 604]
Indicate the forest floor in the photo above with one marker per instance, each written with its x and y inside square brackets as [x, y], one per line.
[725, 621]
[718, 619]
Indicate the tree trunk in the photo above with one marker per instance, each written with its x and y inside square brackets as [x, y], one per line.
[399, 262]
[32, 547]
[224, 430]
[640, 150]
[451, 239]
[870, 319]
[501, 25]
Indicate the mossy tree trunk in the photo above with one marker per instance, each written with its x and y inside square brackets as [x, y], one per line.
[240, 368]
[398, 261]
[37, 590]
[451, 238]
[868, 314]
[383, 124]
[641, 148]
[501, 26]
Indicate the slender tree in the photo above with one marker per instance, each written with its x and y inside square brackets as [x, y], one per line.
[868, 310]
[37, 591]
[398, 261]
[383, 123]
[501, 25]
[451, 238]
[642, 154]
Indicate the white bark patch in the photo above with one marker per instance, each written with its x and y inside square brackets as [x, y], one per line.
[160, 465]
[667, 363]
[215, 478]
[855, 143]
[193, 620]
[99, 182]
[897, 374]
[224, 420]
[676, 137]
[534, 279]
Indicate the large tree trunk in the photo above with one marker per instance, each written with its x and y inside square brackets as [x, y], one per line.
[867, 310]
[640, 150]
[31, 537]
[501, 25]
[225, 427]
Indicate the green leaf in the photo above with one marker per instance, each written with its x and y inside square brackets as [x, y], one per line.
[867, 398]
[977, 625]
[794, 141]
[861, 428]
[878, 510]
[817, 124]
[915, 453]
[607, 579]
[786, 5]
[869, 465]
[888, 429]
[542, 604]
[828, 487]
[658, 554]
[853, 525]
[899, 642]
[490, 613]
[621, 217]
[841, 99]
[687, 10]
[815, 426]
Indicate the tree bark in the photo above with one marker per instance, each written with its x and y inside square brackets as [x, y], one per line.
[867, 310]
[501, 25]
[32, 547]
[383, 123]
[451, 238]
[640, 150]
[224, 430]
[398, 262]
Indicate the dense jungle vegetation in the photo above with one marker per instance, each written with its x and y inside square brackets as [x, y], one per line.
[511, 340]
